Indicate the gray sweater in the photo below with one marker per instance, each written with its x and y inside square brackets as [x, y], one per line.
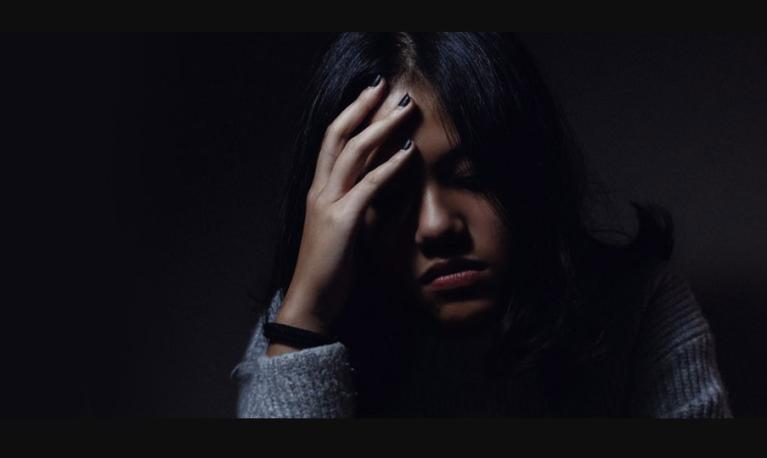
[674, 370]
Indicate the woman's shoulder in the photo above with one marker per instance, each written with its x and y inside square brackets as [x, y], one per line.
[672, 316]
[659, 306]
[662, 297]
[643, 297]
[675, 353]
[659, 337]
[661, 294]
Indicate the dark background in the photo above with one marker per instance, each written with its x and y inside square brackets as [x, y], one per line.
[174, 143]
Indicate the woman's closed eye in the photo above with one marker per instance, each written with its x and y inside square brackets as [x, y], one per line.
[471, 181]
[466, 178]
[463, 174]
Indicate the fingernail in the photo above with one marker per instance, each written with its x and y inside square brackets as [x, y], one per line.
[405, 100]
[376, 80]
[407, 144]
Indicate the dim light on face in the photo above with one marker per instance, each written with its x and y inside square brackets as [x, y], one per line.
[433, 217]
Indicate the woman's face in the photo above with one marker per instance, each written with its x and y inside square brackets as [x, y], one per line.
[429, 213]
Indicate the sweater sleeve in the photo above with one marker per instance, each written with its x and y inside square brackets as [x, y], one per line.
[310, 383]
[676, 366]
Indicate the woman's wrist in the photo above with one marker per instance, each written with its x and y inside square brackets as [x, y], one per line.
[282, 346]
[298, 309]
[302, 320]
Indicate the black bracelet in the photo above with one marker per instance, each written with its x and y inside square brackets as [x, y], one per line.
[296, 337]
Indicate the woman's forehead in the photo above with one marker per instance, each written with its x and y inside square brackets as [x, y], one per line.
[426, 130]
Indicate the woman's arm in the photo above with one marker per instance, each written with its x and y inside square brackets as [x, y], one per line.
[309, 383]
[677, 375]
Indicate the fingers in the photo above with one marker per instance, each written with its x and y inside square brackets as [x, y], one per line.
[361, 195]
[350, 163]
[339, 130]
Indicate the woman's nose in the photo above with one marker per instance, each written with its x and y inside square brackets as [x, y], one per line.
[440, 223]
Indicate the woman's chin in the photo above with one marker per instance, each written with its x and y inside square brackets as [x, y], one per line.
[464, 313]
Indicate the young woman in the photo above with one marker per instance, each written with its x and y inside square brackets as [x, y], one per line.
[439, 256]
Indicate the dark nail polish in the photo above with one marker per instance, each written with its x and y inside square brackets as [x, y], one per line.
[405, 100]
[407, 144]
[376, 81]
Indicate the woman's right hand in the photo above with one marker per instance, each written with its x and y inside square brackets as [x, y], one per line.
[335, 208]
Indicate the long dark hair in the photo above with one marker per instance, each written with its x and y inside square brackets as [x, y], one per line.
[533, 171]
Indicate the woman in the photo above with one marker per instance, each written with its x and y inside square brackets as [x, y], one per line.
[448, 264]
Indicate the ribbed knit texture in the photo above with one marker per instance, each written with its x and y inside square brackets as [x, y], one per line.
[311, 383]
[675, 373]
[676, 367]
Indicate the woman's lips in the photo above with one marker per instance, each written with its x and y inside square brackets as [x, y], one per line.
[456, 280]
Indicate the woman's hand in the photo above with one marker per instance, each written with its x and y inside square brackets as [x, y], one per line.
[335, 208]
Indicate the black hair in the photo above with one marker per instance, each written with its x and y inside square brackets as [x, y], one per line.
[491, 92]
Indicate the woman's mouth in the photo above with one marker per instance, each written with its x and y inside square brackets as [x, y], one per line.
[456, 280]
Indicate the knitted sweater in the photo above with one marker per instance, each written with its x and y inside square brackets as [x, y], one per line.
[673, 367]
